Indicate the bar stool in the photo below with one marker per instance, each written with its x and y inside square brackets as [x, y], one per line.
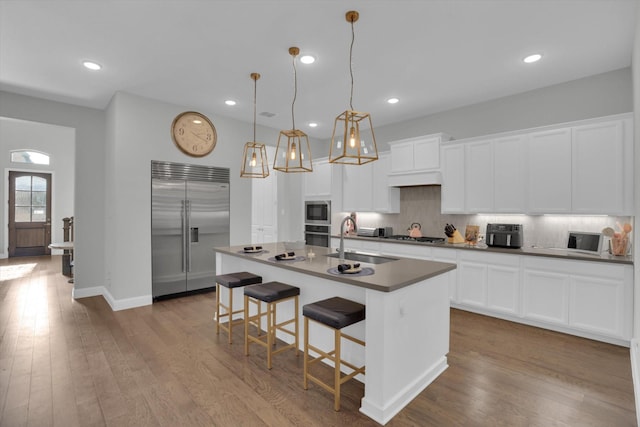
[231, 281]
[334, 313]
[272, 293]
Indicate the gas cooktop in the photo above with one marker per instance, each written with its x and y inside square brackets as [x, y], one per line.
[416, 239]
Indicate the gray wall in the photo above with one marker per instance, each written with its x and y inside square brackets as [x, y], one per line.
[89, 125]
[636, 103]
[595, 96]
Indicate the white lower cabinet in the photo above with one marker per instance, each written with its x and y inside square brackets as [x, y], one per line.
[585, 298]
[546, 296]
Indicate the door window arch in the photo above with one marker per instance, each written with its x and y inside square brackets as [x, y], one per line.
[30, 156]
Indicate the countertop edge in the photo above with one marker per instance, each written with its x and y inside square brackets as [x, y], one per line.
[539, 252]
[443, 267]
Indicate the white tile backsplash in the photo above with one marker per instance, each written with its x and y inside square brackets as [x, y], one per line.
[421, 204]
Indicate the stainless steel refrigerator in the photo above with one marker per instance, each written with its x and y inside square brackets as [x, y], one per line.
[189, 217]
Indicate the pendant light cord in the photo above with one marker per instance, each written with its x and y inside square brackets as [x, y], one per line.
[295, 90]
[353, 36]
[255, 92]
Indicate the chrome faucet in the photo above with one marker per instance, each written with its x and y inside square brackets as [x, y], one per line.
[355, 228]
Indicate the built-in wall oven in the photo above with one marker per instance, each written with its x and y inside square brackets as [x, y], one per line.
[317, 235]
[317, 222]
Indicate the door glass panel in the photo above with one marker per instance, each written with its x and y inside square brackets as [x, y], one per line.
[39, 198]
[39, 184]
[23, 183]
[23, 198]
[30, 199]
[37, 215]
[23, 214]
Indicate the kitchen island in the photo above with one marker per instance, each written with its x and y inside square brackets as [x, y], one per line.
[407, 322]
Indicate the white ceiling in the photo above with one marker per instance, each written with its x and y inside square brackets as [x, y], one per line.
[432, 54]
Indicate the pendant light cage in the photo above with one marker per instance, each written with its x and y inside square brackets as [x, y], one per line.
[254, 159]
[293, 153]
[353, 141]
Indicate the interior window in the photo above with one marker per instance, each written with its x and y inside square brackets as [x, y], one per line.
[27, 156]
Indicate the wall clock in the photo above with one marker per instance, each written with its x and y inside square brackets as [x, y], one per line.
[193, 133]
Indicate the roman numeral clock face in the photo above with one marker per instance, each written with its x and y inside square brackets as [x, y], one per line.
[194, 134]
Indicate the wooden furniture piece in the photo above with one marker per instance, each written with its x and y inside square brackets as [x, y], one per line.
[335, 313]
[271, 293]
[231, 281]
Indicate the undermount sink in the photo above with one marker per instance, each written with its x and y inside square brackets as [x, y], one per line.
[371, 259]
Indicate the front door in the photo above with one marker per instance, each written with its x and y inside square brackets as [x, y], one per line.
[29, 213]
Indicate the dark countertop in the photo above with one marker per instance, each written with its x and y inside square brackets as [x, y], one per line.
[532, 251]
[388, 277]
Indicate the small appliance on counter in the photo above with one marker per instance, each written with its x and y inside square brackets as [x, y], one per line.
[505, 235]
[415, 230]
[374, 232]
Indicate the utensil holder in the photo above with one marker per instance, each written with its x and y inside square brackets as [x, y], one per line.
[456, 238]
[619, 245]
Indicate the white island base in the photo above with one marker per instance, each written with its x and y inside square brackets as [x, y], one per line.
[406, 328]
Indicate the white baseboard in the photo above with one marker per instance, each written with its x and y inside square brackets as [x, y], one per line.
[402, 399]
[635, 373]
[115, 304]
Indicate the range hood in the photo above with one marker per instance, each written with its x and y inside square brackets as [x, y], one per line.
[413, 178]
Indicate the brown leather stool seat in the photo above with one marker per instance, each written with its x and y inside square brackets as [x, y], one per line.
[231, 281]
[335, 313]
[271, 293]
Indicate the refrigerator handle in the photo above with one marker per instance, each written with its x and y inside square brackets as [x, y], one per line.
[187, 233]
[183, 217]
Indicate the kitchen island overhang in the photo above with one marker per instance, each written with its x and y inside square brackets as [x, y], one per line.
[407, 322]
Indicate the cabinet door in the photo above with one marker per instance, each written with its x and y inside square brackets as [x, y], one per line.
[453, 179]
[546, 296]
[503, 286]
[598, 173]
[385, 199]
[472, 283]
[509, 174]
[402, 157]
[478, 173]
[549, 166]
[426, 154]
[317, 184]
[357, 190]
[450, 256]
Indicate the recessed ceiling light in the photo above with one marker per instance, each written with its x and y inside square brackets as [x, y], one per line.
[532, 58]
[393, 100]
[93, 66]
[307, 59]
[313, 124]
[230, 102]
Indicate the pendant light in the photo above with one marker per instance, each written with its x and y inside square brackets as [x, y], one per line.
[254, 160]
[353, 141]
[296, 155]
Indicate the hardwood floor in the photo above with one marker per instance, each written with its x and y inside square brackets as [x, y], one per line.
[77, 363]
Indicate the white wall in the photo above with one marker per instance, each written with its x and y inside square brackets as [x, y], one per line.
[89, 175]
[636, 102]
[59, 143]
[137, 133]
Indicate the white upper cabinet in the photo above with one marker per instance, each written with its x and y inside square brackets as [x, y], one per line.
[416, 161]
[584, 167]
[365, 187]
[324, 183]
[453, 182]
[602, 168]
[509, 174]
[479, 171]
[549, 167]
[385, 199]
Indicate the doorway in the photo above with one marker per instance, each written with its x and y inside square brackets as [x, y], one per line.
[29, 213]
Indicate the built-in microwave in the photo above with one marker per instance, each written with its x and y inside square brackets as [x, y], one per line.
[317, 212]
